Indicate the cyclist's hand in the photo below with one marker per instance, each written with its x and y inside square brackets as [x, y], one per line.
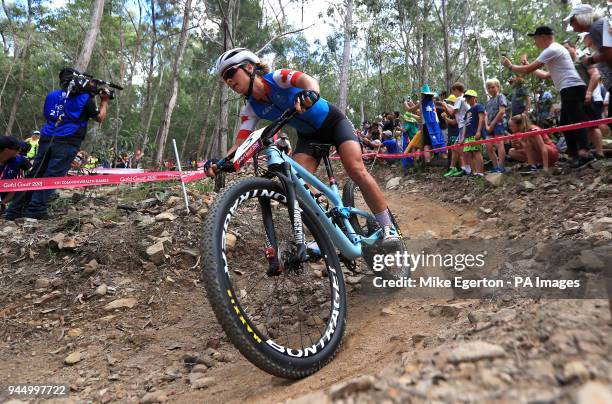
[304, 100]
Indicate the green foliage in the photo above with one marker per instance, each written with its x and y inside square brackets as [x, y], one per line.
[396, 46]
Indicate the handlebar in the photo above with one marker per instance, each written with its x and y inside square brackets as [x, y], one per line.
[226, 164]
[277, 125]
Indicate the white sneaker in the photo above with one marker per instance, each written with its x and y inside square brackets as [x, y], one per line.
[390, 235]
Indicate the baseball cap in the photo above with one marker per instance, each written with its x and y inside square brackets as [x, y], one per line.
[451, 98]
[9, 142]
[579, 9]
[471, 93]
[542, 30]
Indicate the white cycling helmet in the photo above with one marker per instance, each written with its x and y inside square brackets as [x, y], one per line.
[234, 57]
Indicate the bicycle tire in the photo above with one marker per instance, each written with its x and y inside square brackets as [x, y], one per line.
[401, 271]
[236, 323]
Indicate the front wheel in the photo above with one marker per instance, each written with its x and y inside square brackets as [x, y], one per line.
[351, 196]
[288, 322]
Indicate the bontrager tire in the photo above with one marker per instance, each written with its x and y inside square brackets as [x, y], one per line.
[239, 322]
[396, 272]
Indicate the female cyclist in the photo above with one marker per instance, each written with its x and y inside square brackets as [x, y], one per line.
[268, 94]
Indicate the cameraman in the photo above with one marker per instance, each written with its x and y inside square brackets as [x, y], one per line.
[67, 115]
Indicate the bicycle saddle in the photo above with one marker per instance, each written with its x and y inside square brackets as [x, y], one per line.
[320, 149]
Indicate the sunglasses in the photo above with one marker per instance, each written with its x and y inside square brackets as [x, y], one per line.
[230, 72]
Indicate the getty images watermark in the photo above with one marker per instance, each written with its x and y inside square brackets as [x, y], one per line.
[456, 262]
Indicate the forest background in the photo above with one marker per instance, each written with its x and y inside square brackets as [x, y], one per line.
[368, 56]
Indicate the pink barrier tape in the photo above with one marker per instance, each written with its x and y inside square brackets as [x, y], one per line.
[564, 128]
[34, 184]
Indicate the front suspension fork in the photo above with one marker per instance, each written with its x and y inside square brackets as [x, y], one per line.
[275, 267]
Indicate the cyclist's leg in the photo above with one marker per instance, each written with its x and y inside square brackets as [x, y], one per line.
[303, 154]
[350, 155]
[343, 136]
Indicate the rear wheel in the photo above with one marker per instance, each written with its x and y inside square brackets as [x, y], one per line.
[351, 196]
[289, 324]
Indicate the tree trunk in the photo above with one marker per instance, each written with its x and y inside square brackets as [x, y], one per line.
[147, 97]
[22, 67]
[152, 108]
[346, 57]
[164, 127]
[447, 69]
[90, 37]
[482, 74]
[203, 132]
[212, 145]
[223, 124]
[196, 107]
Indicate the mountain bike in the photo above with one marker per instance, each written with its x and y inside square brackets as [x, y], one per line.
[271, 255]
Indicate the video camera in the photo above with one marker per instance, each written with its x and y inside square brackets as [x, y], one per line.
[77, 82]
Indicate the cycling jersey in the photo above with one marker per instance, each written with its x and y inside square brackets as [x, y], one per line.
[321, 123]
[281, 91]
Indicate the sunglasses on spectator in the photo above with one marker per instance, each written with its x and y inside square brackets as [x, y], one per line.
[230, 72]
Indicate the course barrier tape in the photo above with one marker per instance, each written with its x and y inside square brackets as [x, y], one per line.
[35, 184]
[564, 128]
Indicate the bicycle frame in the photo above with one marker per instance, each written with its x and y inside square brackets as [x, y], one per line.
[350, 244]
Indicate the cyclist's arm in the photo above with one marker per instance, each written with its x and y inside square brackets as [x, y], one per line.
[248, 121]
[307, 83]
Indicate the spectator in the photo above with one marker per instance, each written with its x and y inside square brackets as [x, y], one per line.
[67, 116]
[590, 75]
[583, 18]
[496, 125]
[33, 142]
[534, 150]
[365, 127]
[91, 162]
[458, 110]
[390, 142]
[472, 131]
[389, 122]
[520, 95]
[442, 122]
[569, 84]
[136, 159]
[283, 144]
[410, 129]
[79, 160]
[453, 135]
[432, 134]
[12, 165]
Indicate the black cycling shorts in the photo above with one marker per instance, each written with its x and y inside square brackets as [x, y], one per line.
[336, 130]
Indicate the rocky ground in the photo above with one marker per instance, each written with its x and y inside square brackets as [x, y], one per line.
[105, 298]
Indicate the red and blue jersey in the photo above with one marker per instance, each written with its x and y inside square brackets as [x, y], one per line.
[280, 88]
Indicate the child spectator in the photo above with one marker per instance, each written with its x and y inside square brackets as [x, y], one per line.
[496, 125]
[458, 110]
[453, 135]
[538, 149]
[472, 131]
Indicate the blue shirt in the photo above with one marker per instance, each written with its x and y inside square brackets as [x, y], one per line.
[471, 120]
[73, 120]
[12, 168]
[391, 146]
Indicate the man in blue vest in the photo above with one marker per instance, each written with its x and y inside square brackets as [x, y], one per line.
[67, 112]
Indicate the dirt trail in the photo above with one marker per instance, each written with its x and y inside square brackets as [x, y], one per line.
[372, 340]
[128, 353]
